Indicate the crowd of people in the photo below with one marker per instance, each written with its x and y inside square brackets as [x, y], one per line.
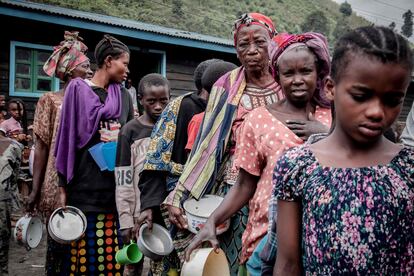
[294, 140]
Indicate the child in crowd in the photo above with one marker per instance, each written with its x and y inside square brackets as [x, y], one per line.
[16, 126]
[133, 142]
[301, 63]
[164, 161]
[3, 112]
[345, 202]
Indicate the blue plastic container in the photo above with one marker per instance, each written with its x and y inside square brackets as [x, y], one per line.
[97, 155]
[109, 154]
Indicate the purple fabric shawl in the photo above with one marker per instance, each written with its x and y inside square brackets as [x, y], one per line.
[81, 113]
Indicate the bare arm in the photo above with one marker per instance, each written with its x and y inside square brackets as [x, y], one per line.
[62, 196]
[236, 198]
[39, 169]
[288, 260]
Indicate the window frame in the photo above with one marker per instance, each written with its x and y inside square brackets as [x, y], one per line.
[12, 71]
[162, 55]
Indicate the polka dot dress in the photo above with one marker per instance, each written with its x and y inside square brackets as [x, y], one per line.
[263, 139]
[94, 254]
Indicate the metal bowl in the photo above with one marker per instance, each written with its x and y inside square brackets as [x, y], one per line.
[28, 231]
[67, 224]
[155, 244]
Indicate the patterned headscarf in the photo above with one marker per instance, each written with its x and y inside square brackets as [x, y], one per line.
[66, 56]
[254, 18]
[318, 45]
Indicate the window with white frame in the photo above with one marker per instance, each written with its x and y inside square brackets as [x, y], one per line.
[27, 78]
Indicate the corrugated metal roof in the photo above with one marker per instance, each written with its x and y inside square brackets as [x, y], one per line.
[119, 22]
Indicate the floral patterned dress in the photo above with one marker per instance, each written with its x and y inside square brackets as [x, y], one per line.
[355, 220]
[45, 126]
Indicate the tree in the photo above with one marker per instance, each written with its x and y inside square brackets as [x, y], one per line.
[341, 27]
[346, 9]
[392, 25]
[316, 22]
[407, 28]
[177, 8]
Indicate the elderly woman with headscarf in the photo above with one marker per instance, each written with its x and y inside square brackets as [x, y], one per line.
[210, 166]
[68, 61]
[301, 64]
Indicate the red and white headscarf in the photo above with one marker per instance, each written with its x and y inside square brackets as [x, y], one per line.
[254, 18]
[66, 56]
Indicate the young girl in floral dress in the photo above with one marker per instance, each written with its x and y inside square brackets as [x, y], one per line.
[345, 202]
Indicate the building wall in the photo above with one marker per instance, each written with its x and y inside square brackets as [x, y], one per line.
[180, 61]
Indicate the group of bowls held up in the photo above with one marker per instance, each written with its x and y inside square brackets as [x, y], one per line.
[69, 224]
[104, 155]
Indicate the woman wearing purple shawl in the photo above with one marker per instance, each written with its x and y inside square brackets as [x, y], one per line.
[93, 112]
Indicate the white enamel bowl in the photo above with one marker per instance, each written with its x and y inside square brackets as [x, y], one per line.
[198, 212]
[28, 231]
[206, 262]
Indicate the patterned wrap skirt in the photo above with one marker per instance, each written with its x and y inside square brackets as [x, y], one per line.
[93, 254]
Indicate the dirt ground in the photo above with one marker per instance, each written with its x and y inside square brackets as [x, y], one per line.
[23, 262]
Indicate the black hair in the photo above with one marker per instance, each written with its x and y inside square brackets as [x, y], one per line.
[20, 104]
[214, 71]
[109, 46]
[149, 80]
[198, 72]
[378, 42]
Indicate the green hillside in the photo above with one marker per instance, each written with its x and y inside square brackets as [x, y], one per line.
[212, 17]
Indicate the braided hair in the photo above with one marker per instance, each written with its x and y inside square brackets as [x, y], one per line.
[109, 46]
[149, 80]
[378, 42]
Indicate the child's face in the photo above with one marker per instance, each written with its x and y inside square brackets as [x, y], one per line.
[155, 99]
[2, 102]
[368, 97]
[15, 112]
[298, 76]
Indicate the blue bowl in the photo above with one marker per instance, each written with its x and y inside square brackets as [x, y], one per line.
[97, 155]
[109, 154]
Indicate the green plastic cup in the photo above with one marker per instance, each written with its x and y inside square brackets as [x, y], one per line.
[129, 254]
